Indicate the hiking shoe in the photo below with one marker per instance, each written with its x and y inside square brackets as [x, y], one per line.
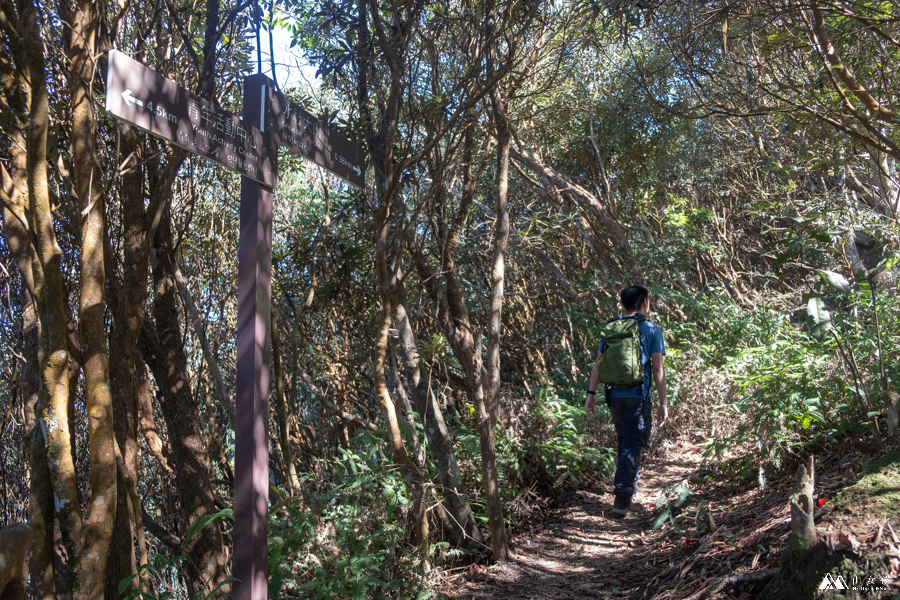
[624, 511]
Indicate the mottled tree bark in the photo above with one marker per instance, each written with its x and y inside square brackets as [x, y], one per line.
[462, 335]
[411, 472]
[281, 409]
[463, 527]
[406, 407]
[14, 190]
[387, 178]
[140, 221]
[128, 309]
[128, 301]
[90, 567]
[803, 530]
[168, 362]
[49, 291]
[487, 414]
[40, 508]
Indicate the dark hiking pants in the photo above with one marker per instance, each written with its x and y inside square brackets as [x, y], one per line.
[631, 416]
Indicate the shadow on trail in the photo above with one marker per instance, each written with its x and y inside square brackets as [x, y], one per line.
[581, 552]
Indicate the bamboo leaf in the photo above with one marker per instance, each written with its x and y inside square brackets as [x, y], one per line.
[837, 282]
[201, 523]
[818, 318]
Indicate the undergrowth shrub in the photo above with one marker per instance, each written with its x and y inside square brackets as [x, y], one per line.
[791, 383]
[787, 392]
[158, 579]
[542, 447]
[557, 430]
[344, 538]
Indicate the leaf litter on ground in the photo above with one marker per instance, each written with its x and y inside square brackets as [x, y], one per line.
[587, 555]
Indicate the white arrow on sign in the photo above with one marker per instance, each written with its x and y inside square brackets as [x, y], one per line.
[131, 100]
[346, 163]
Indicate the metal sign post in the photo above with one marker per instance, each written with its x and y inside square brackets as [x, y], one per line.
[251, 461]
[270, 111]
[139, 95]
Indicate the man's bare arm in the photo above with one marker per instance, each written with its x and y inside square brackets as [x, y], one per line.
[659, 379]
[589, 402]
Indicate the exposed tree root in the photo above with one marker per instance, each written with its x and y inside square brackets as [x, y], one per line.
[722, 583]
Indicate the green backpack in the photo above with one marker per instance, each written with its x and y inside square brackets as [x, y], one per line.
[621, 365]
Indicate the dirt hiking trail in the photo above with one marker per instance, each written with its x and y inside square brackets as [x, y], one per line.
[578, 551]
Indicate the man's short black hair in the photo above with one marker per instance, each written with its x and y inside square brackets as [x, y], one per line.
[633, 297]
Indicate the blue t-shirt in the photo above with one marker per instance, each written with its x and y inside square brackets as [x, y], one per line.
[651, 342]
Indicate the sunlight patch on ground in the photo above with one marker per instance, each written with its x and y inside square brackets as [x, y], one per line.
[871, 499]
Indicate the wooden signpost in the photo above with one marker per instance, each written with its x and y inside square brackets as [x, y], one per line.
[139, 95]
[143, 97]
[306, 135]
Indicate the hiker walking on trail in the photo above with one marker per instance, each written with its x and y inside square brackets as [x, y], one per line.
[629, 362]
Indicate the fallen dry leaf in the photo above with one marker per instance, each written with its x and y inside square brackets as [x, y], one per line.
[842, 541]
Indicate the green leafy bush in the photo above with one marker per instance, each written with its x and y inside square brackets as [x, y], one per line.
[564, 446]
[345, 538]
[824, 379]
[544, 445]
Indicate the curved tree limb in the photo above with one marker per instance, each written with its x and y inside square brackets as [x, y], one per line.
[823, 40]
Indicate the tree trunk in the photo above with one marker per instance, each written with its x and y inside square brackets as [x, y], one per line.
[49, 291]
[453, 315]
[464, 529]
[91, 564]
[465, 341]
[40, 509]
[128, 307]
[128, 302]
[411, 472]
[889, 204]
[406, 408]
[168, 362]
[499, 541]
[14, 187]
[803, 530]
[380, 139]
[281, 410]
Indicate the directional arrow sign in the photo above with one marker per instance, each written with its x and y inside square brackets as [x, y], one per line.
[131, 100]
[140, 95]
[305, 134]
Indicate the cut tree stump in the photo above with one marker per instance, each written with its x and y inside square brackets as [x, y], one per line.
[803, 530]
[892, 412]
